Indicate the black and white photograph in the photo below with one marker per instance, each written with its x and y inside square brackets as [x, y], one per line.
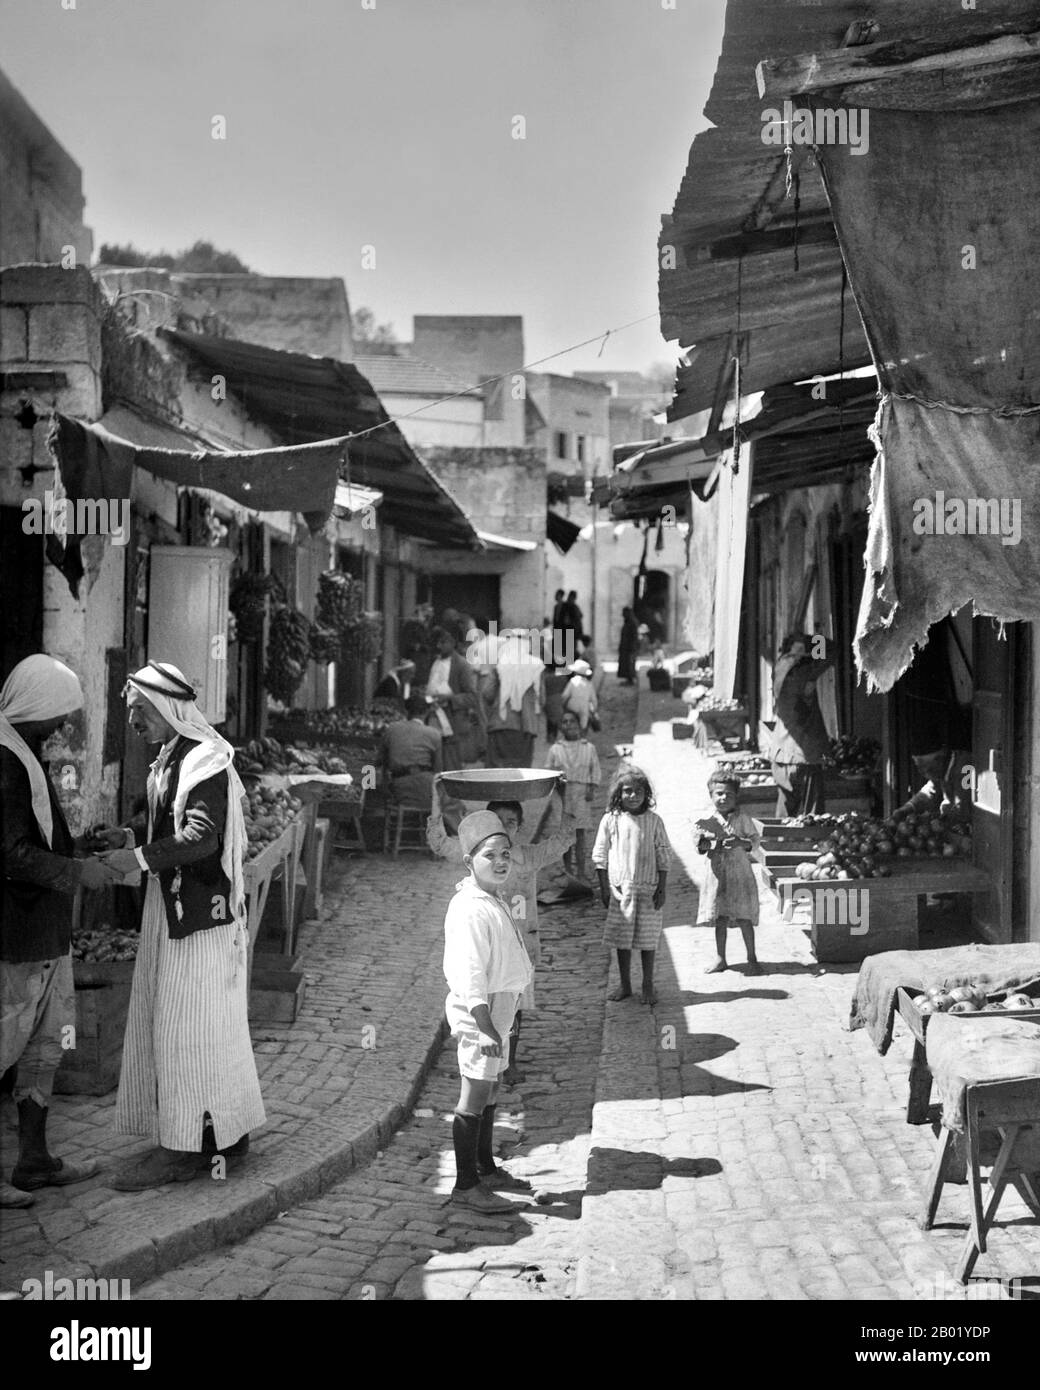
[519, 711]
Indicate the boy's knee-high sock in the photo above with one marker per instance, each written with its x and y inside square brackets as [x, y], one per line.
[465, 1134]
[486, 1140]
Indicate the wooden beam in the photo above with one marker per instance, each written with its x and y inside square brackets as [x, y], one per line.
[914, 76]
[818, 231]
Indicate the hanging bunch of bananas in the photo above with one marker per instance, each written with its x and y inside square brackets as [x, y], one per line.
[288, 651]
[339, 600]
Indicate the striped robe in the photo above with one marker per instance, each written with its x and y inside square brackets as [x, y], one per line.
[187, 1048]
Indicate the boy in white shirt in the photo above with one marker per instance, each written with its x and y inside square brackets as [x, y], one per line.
[487, 968]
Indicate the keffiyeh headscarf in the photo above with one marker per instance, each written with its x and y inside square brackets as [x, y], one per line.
[40, 687]
[519, 670]
[165, 687]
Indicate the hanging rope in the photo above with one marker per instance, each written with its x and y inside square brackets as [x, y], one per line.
[797, 210]
[841, 361]
[736, 368]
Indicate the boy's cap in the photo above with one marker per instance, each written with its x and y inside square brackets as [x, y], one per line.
[580, 668]
[477, 827]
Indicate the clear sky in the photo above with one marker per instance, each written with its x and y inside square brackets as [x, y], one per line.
[390, 126]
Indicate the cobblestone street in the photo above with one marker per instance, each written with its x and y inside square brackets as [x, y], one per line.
[735, 1143]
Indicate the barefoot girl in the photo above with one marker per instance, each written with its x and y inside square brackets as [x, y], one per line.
[632, 855]
[729, 897]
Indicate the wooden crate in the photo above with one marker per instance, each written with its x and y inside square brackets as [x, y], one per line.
[892, 906]
[275, 994]
[92, 1067]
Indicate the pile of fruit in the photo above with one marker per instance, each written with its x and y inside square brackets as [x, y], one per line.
[853, 757]
[268, 755]
[356, 724]
[855, 846]
[711, 702]
[104, 943]
[746, 762]
[970, 999]
[269, 813]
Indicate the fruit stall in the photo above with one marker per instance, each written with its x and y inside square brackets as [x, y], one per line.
[726, 721]
[861, 878]
[973, 1013]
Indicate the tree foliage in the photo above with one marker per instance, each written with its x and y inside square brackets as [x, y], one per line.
[201, 258]
[366, 330]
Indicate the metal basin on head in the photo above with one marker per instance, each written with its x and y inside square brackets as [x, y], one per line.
[499, 783]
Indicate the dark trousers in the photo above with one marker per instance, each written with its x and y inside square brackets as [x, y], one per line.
[799, 789]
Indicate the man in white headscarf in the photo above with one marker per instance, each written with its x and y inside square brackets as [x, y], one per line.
[39, 879]
[512, 690]
[189, 1078]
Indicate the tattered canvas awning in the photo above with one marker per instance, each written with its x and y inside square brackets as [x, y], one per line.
[939, 226]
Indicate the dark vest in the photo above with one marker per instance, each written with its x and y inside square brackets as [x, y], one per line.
[204, 892]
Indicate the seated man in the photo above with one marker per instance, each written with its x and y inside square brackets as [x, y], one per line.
[942, 791]
[412, 753]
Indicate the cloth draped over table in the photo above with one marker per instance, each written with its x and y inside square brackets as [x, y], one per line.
[937, 224]
[93, 465]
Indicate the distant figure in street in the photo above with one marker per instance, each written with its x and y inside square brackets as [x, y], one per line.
[800, 741]
[487, 969]
[457, 709]
[579, 696]
[574, 617]
[628, 646]
[632, 857]
[558, 609]
[527, 860]
[575, 757]
[729, 897]
[412, 754]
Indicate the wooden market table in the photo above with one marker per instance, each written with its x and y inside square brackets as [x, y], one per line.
[279, 861]
[890, 905]
[988, 1067]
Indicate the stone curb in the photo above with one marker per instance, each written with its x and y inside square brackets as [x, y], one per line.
[275, 1186]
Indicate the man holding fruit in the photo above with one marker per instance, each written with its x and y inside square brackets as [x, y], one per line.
[42, 869]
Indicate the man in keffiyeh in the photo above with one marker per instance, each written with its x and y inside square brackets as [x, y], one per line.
[39, 880]
[189, 1078]
[511, 688]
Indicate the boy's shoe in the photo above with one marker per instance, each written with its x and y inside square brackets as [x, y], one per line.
[501, 1180]
[480, 1199]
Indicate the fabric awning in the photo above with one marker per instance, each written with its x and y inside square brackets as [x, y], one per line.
[311, 399]
[94, 471]
[958, 360]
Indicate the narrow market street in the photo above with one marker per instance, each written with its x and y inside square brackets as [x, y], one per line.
[711, 1149]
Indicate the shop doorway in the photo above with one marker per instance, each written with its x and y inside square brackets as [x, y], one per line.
[475, 594]
[652, 600]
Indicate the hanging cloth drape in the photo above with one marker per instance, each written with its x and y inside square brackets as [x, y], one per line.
[938, 228]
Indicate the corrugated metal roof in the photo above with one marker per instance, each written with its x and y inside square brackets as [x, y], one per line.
[306, 399]
[734, 184]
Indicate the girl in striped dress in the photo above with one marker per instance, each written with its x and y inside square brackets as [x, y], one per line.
[188, 1078]
[632, 857]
